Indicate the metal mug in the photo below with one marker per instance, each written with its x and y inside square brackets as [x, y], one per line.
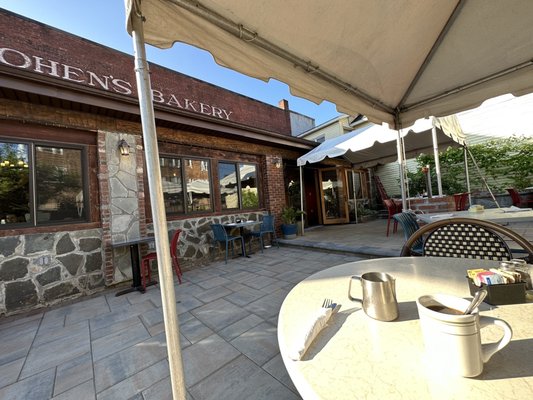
[379, 295]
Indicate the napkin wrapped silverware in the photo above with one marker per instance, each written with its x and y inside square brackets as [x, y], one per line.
[305, 336]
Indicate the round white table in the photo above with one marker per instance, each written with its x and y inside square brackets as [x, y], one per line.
[357, 357]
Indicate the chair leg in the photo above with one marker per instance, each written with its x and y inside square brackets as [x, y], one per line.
[177, 268]
[145, 271]
[226, 255]
[273, 235]
[261, 243]
[388, 224]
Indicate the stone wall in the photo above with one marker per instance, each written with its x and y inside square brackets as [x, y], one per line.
[42, 269]
[196, 245]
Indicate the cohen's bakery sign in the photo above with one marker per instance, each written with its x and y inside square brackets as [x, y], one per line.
[18, 59]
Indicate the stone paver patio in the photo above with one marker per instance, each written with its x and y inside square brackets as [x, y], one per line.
[108, 347]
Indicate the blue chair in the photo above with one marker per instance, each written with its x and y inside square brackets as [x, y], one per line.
[267, 227]
[221, 236]
[409, 225]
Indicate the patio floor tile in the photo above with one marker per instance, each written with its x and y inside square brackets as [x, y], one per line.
[259, 344]
[241, 379]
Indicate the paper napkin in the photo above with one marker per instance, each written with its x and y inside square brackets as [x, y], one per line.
[309, 331]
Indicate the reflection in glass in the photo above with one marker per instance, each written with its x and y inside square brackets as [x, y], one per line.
[198, 188]
[229, 197]
[172, 185]
[59, 185]
[14, 183]
[248, 178]
[330, 188]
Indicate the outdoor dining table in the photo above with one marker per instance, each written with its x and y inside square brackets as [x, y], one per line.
[241, 225]
[135, 256]
[355, 356]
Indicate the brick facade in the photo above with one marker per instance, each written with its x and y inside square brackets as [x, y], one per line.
[30, 46]
[48, 275]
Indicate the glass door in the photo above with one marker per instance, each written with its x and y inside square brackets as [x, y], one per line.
[334, 198]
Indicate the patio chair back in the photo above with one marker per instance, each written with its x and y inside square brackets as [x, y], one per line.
[221, 236]
[391, 209]
[219, 233]
[267, 227]
[409, 225]
[517, 200]
[460, 201]
[469, 238]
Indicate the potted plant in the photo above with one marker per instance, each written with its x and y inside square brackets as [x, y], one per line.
[289, 216]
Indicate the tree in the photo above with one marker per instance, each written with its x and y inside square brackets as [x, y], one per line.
[504, 162]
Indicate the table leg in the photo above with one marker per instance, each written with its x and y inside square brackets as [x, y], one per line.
[243, 244]
[136, 285]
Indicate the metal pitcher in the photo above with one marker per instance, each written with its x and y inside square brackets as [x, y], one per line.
[379, 295]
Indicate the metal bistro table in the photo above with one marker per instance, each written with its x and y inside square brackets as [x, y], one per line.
[135, 255]
[357, 357]
[241, 225]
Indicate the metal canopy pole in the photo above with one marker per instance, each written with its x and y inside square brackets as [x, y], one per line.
[302, 199]
[402, 169]
[153, 172]
[354, 196]
[467, 173]
[436, 157]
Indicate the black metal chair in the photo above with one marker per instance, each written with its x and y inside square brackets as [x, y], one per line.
[468, 238]
[409, 225]
[267, 227]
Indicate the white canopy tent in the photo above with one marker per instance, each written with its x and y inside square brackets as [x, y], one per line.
[397, 62]
[372, 145]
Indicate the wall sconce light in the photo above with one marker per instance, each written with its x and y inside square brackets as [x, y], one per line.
[124, 148]
[276, 161]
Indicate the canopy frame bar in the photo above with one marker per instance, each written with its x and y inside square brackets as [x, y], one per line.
[249, 36]
[432, 52]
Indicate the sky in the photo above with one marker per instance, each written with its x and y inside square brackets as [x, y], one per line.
[103, 21]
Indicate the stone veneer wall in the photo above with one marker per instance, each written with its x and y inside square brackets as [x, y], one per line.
[196, 245]
[42, 269]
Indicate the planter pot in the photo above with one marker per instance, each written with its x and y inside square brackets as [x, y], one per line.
[289, 231]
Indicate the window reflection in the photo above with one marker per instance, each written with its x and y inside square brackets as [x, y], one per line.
[248, 178]
[59, 185]
[229, 195]
[172, 185]
[41, 184]
[198, 187]
[14, 183]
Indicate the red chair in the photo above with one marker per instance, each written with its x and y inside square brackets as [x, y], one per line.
[392, 209]
[146, 260]
[517, 199]
[460, 201]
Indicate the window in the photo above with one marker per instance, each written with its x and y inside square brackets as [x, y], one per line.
[41, 184]
[186, 189]
[238, 186]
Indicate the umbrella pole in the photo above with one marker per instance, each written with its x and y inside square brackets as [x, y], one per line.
[153, 172]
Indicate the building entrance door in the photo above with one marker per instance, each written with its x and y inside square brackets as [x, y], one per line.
[334, 196]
